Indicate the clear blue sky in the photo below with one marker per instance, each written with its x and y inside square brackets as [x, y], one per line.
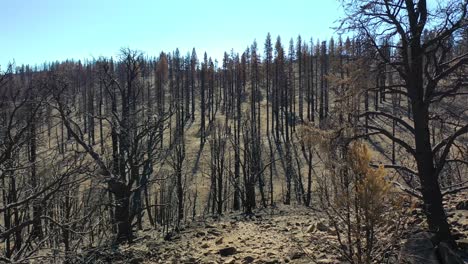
[35, 31]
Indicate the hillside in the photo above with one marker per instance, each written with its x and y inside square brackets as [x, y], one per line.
[350, 150]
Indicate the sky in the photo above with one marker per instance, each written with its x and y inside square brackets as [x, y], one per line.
[38, 31]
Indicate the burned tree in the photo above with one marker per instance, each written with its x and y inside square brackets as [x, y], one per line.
[427, 76]
[135, 140]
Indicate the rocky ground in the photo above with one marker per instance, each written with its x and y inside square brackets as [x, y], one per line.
[457, 211]
[283, 235]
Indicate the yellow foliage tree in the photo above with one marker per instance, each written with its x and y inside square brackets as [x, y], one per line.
[362, 205]
[372, 189]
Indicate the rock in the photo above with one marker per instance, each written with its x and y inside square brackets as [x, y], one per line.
[227, 251]
[192, 260]
[219, 241]
[419, 249]
[271, 261]
[136, 261]
[310, 229]
[152, 246]
[463, 205]
[205, 245]
[297, 254]
[230, 261]
[214, 232]
[332, 232]
[200, 234]
[447, 255]
[248, 259]
[325, 260]
[322, 227]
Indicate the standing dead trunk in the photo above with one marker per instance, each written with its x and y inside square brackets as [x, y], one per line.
[431, 192]
[122, 212]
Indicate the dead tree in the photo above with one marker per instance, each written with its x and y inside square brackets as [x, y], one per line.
[218, 168]
[134, 142]
[427, 76]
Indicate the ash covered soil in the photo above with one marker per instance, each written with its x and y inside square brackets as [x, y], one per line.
[286, 234]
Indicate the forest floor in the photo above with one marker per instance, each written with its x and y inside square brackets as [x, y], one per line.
[287, 234]
[281, 235]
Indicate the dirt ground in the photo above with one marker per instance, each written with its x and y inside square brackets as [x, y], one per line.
[287, 234]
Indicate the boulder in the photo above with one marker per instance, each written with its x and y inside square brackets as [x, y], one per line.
[227, 251]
